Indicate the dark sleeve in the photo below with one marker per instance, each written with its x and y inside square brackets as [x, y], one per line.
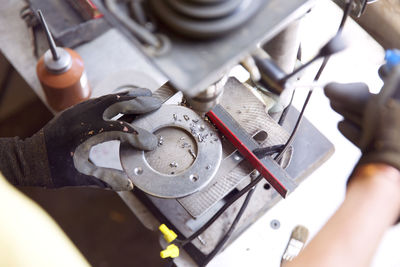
[24, 162]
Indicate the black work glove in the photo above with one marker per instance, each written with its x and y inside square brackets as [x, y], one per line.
[371, 122]
[58, 155]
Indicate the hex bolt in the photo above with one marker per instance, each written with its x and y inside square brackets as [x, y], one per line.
[254, 174]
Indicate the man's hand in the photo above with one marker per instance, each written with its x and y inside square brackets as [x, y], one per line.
[371, 122]
[70, 136]
[58, 155]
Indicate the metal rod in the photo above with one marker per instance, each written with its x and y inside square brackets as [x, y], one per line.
[290, 75]
[52, 44]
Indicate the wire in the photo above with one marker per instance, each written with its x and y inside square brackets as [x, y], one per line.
[6, 82]
[170, 263]
[228, 234]
[346, 13]
[262, 152]
[290, 140]
[139, 31]
[286, 110]
[235, 197]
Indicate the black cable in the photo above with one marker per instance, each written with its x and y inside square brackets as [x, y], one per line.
[289, 142]
[235, 197]
[262, 152]
[228, 234]
[346, 13]
[6, 82]
[286, 110]
[170, 263]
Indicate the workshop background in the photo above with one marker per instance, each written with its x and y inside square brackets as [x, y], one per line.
[108, 234]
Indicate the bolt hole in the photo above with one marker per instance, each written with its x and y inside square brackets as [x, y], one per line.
[138, 171]
[267, 186]
[261, 136]
[275, 224]
[194, 177]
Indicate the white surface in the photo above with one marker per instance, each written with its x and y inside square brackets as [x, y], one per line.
[317, 198]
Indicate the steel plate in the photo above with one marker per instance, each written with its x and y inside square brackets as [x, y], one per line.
[146, 170]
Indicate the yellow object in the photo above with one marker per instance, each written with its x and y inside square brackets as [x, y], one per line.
[169, 235]
[171, 251]
[29, 237]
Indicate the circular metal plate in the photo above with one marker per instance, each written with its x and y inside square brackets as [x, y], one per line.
[206, 151]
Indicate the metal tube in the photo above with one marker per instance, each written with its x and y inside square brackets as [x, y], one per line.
[52, 44]
[283, 48]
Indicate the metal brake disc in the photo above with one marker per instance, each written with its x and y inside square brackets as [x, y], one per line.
[187, 157]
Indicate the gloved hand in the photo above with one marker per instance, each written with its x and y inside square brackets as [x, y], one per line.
[371, 122]
[58, 155]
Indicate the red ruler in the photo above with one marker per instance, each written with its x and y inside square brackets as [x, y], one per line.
[245, 144]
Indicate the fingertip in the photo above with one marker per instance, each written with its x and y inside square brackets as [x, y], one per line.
[332, 88]
[350, 131]
[141, 139]
[147, 141]
[328, 87]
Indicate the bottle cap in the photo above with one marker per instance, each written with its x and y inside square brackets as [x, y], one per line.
[62, 64]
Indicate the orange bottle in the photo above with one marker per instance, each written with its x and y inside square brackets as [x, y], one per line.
[62, 75]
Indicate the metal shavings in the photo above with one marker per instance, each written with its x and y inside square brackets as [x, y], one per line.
[186, 117]
[192, 153]
[185, 145]
[193, 129]
[160, 140]
[182, 138]
[175, 116]
[201, 240]
[202, 127]
[173, 164]
[202, 137]
[196, 120]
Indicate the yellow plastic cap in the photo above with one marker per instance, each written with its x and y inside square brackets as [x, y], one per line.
[169, 235]
[171, 251]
